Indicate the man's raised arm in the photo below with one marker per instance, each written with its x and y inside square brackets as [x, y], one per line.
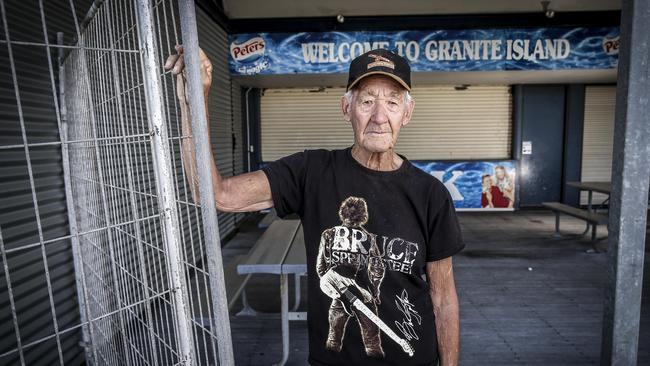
[239, 193]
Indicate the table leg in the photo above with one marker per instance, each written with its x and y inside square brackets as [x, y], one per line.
[590, 198]
[247, 310]
[557, 225]
[593, 234]
[284, 296]
[297, 292]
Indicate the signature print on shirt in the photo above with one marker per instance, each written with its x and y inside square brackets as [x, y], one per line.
[406, 326]
[351, 265]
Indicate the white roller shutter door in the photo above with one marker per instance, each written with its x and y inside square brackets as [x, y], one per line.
[598, 137]
[447, 124]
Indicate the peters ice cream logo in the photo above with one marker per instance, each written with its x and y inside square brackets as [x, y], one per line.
[248, 51]
[248, 55]
[610, 45]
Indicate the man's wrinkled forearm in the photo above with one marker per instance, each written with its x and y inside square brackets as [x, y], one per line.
[448, 330]
[188, 144]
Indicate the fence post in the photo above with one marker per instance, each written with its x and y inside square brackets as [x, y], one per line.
[221, 320]
[72, 217]
[164, 180]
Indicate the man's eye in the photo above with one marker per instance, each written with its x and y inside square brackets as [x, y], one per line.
[367, 102]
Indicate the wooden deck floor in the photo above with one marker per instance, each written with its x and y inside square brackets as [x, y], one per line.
[526, 298]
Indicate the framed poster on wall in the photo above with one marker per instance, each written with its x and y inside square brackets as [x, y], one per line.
[476, 185]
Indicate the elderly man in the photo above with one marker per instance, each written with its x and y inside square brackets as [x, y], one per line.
[379, 232]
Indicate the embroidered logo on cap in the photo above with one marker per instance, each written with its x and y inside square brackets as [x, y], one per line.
[381, 61]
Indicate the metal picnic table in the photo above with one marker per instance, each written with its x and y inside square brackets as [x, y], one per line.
[281, 251]
[590, 216]
[591, 187]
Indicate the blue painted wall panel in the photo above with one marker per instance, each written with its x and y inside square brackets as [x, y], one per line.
[542, 124]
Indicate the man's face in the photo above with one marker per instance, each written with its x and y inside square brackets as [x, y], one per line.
[377, 112]
[500, 174]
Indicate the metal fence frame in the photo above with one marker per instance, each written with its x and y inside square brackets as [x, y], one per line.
[147, 260]
[204, 162]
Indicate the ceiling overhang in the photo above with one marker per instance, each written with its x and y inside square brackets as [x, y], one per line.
[440, 78]
[255, 9]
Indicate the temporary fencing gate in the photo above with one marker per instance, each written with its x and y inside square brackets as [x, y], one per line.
[147, 265]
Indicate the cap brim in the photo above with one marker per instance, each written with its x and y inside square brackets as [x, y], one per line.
[393, 76]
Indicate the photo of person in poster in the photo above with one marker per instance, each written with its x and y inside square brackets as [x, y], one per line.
[492, 197]
[486, 195]
[505, 182]
[498, 191]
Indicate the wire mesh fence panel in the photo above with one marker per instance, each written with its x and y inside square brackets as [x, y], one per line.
[139, 257]
[38, 308]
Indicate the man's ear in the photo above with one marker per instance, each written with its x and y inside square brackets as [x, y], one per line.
[345, 108]
[408, 113]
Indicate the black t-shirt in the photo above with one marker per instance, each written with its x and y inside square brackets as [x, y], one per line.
[368, 236]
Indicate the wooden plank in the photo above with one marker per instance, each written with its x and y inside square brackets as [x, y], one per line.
[270, 250]
[296, 260]
[586, 215]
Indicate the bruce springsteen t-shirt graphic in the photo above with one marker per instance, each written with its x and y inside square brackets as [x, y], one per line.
[351, 265]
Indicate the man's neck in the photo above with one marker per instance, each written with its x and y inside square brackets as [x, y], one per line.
[382, 161]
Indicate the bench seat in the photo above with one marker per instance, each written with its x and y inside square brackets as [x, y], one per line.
[271, 248]
[235, 283]
[268, 219]
[586, 215]
[592, 218]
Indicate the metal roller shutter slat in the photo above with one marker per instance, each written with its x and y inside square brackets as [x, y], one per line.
[447, 124]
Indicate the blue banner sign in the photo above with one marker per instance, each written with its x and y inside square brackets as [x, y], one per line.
[476, 185]
[438, 50]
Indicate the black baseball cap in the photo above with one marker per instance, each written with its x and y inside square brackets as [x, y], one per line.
[380, 62]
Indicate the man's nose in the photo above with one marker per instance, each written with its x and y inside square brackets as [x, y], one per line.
[379, 113]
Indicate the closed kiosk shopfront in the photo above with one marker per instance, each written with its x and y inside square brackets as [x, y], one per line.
[448, 124]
